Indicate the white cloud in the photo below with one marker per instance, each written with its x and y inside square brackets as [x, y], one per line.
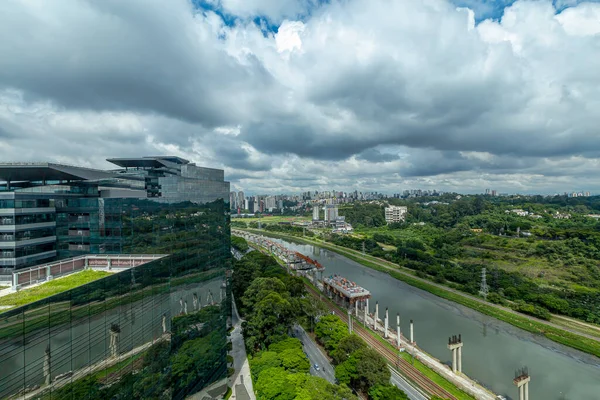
[329, 101]
[288, 36]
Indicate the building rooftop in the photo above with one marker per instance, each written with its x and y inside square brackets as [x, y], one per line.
[28, 280]
[45, 171]
[148, 162]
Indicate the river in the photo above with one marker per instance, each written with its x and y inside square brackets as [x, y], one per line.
[492, 350]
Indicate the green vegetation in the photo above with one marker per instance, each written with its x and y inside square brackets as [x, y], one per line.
[239, 243]
[567, 338]
[542, 254]
[356, 364]
[537, 263]
[196, 350]
[27, 296]
[272, 302]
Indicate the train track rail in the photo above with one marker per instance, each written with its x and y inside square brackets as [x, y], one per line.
[404, 367]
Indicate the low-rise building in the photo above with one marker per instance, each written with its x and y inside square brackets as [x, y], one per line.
[395, 214]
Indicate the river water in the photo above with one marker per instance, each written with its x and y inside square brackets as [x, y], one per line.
[492, 350]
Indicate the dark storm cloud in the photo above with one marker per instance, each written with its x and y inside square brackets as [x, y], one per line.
[124, 55]
[354, 95]
[374, 155]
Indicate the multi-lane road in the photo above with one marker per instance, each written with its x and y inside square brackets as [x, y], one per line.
[326, 371]
[402, 384]
[315, 355]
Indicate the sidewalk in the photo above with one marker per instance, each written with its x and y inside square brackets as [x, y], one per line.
[242, 382]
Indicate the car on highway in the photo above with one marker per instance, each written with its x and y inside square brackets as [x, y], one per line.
[317, 368]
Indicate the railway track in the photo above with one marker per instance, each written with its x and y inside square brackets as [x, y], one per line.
[405, 368]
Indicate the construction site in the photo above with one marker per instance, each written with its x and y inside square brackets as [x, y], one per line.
[354, 299]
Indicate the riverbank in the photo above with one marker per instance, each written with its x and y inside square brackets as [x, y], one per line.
[422, 375]
[568, 337]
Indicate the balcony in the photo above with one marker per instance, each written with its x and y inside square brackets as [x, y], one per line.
[79, 232]
[79, 247]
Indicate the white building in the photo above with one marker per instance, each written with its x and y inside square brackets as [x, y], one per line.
[331, 212]
[395, 214]
[315, 212]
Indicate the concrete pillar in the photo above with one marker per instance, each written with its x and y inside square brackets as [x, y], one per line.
[460, 359]
[365, 320]
[454, 360]
[164, 323]
[47, 364]
[376, 319]
[527, 391]
[180, 305]
[412, 339]
[521, 395]
[398, 330]
[368, 306]
[115, 331]
[385, 333]
[185, 307]
[195, 301]
[349, 322]
[356, 308]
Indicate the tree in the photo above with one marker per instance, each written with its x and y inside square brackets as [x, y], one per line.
[364, 369]
[272, 383]
[258, 289]
[372, 369]
[269, 321]
[286, 344]
[330, 330]
[347, 346]
[315, 388]
[386, 392]
[295, 360]
[264, 360]
[312, 309]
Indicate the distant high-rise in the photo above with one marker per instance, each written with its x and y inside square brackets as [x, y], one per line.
[241, 200]
[315, 212]
[331, 212]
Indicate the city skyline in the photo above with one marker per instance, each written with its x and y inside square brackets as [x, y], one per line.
[291, 95]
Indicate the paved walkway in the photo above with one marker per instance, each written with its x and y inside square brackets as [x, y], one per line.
[242, 382]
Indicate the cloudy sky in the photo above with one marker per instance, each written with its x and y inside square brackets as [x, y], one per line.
[292, 95]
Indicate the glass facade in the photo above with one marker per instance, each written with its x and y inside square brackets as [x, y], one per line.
[155, 331]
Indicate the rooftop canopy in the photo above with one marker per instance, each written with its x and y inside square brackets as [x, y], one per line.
[43, 171]
[148, 162]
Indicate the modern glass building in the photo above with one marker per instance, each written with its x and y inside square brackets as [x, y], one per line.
[154, 331]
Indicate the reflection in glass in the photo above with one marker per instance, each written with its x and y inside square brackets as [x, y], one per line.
[157, 330]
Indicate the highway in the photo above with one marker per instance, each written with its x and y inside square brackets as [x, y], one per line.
[402, 384]
[315, 356]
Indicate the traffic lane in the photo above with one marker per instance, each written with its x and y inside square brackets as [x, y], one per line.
[315, 356]
[402, 384]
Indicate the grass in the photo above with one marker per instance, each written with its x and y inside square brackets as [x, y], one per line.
[27, 296]
[117, 367]
[566, 338]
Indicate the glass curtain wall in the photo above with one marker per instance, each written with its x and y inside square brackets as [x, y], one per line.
[156, 331]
